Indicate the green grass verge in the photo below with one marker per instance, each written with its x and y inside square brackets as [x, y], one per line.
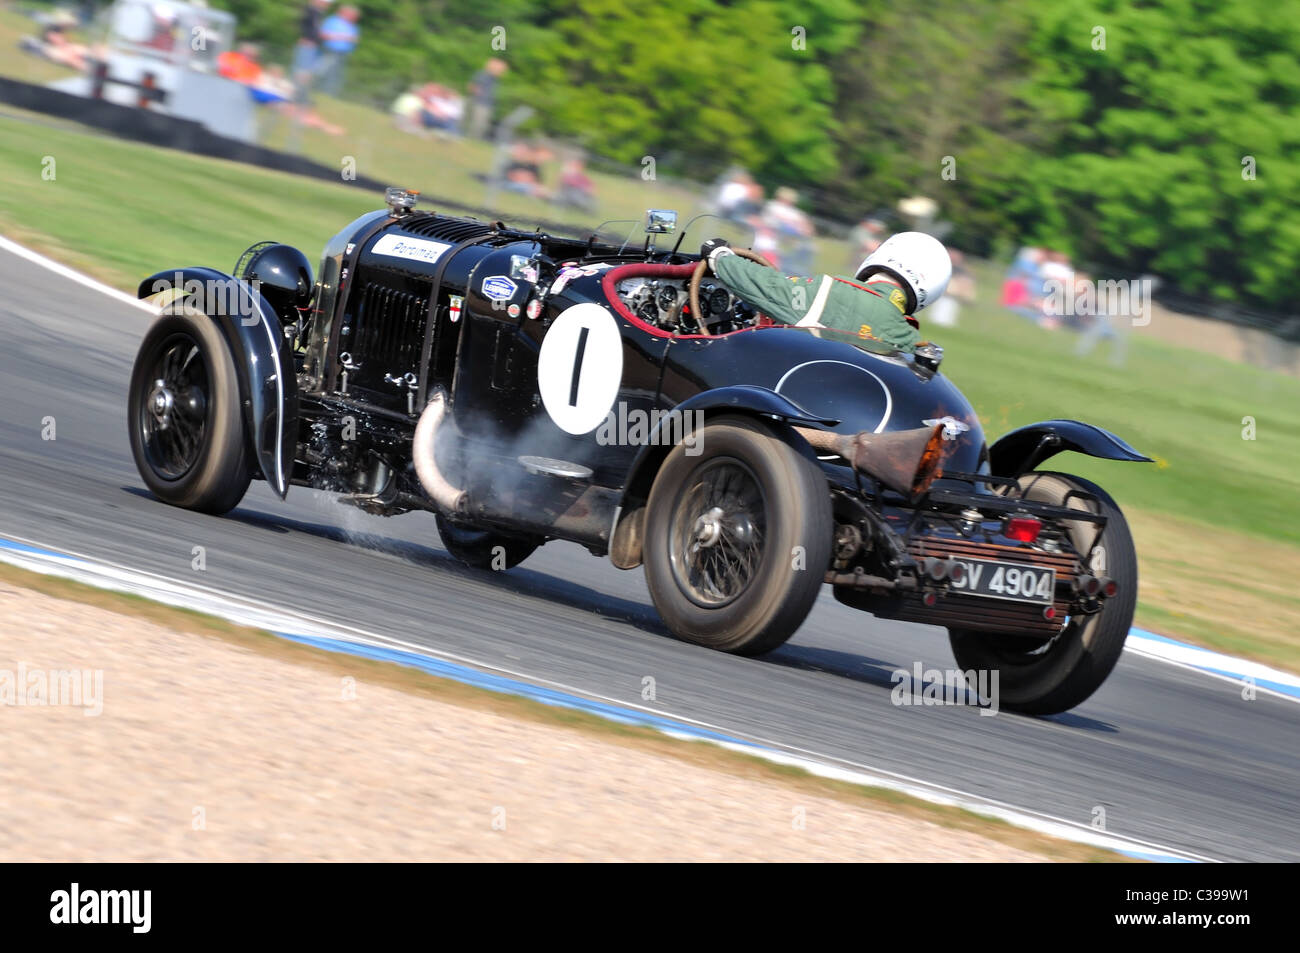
[121, 211]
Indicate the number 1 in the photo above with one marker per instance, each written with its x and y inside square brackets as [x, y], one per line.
[577, 367]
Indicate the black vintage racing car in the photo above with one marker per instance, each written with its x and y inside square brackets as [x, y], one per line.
[526, 387]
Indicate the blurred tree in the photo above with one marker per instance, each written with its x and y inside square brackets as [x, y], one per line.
[927, 105]
[1158, 134]
[692, 81]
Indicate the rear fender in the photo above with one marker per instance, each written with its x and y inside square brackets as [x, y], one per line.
[1024, 449]
[268, 385]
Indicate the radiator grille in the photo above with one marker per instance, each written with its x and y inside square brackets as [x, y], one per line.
[388, 328]
[444, 229]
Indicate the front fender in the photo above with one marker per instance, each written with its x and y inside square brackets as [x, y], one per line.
[1024, 449]
[744, 398]
[268, 385]
[754, 399]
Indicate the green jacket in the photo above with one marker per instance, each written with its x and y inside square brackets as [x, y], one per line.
[871, 313]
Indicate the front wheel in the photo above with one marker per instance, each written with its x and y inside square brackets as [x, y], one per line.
[737, 538]
[187, 432]
[1054, 677]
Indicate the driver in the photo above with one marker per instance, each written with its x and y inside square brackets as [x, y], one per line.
[908, 271]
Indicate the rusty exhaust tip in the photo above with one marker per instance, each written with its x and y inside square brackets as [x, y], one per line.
[906, 461]
[930, 466]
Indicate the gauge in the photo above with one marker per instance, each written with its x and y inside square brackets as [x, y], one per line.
[667, 298]
[719, 302]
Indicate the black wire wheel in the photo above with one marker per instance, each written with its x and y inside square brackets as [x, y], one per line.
[718, 530]
[738, 538]
[187, 434]
[1060, 673]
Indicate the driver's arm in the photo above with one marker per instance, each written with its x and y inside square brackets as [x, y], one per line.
[785, 298]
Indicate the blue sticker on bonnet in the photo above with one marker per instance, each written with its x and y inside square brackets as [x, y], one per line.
[498, 288]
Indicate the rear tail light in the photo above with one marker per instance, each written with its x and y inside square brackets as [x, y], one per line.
[1090, 585]
[1110, 588]
[1023, 529]
[1049, 613]
[956, 572]
[937, 569]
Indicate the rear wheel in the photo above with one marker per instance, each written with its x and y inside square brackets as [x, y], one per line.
[1051, 678]
[187, 433]
[737, 538]
[483, 549]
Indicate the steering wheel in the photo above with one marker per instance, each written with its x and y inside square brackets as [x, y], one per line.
[698, 275]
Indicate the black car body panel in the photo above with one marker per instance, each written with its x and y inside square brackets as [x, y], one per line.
[1021, 450]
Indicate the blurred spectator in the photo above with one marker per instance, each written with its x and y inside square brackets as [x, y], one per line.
[339, 36]
[272, 87]
[739, 197]
[961, 290]
[576, 188]
[523, 174]
[407, 109]
[162, 36]
[483, 97]
[55, 45]
[307, 51]
[765, 242]
[269, 86]
[919, 212]
[866, 237]
[1099, 326]
[794, 230]
[1022, 287]
[1056, 290]
[442, 108]
[241, 64]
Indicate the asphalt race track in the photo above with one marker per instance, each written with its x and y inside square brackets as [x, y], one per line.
[1173, 756]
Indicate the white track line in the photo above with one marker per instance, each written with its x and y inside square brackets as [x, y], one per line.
[71, 274]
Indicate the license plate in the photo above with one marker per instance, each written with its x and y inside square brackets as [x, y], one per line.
[1014, 581]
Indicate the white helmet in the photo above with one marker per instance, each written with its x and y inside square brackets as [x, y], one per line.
[917, 260]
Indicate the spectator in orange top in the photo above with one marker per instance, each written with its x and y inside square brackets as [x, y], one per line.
[240, 64]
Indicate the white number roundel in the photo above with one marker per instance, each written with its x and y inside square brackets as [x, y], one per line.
[580, 367]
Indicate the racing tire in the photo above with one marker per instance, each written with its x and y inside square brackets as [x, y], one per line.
[483, 549]
[737, 538]
[186, 426]
[1052, 678]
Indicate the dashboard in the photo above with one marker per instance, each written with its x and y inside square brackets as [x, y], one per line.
[665, 303]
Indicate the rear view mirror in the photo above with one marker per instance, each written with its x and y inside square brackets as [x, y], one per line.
[660, 221]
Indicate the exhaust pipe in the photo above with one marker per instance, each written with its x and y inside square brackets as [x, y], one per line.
[907, 461]
[447, 497]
